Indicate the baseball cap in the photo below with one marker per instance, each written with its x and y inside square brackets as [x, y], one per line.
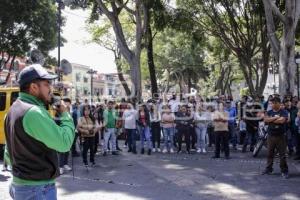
[33, 72]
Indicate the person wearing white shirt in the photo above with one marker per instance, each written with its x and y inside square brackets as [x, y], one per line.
[201, 119]
[130, 117]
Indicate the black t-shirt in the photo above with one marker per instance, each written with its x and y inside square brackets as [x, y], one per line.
[277, 129]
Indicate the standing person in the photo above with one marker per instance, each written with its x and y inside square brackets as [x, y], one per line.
[168, 126]
[220, 118]
[201, 119]
[231, 123]
[63, 157]
[252, 124]
[155, 127]
[87, 128]
[130, 117]
[75, 115]
[183, 121]
[33, 138]
[109, 124]
[297, 133]
[98, 116]
[276, 119]
[144, 125]
[210, 127]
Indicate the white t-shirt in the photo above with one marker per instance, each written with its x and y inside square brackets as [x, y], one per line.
[130, 117]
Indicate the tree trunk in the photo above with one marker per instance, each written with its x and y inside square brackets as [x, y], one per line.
[121, 77]
[151, 65]
[10, 68]
[286, 49]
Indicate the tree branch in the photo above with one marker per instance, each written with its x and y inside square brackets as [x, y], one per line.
[276, 11]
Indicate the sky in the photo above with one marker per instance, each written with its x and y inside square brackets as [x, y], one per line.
[76, 50]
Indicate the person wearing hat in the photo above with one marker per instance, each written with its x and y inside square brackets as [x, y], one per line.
[276, 119]
[33, 138]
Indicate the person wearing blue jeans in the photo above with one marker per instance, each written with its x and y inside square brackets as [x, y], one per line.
[145, 135]
[144, 128]
[201, 120]
[26, 192]
[168, 136]
[131, 133]
[231, 124]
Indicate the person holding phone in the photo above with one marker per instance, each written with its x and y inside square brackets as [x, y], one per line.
[33, 138]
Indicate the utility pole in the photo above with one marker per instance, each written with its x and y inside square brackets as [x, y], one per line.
[92, 72]
[60, 6]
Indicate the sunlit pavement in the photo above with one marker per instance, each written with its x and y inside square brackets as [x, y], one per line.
[176, 176]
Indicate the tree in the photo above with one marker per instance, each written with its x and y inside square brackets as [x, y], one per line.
[101, 34]
[24, 25]
[241, 27]
[284, 48]
[112, 10]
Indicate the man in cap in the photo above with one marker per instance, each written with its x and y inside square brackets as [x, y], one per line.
[276, 119]
[33, 138]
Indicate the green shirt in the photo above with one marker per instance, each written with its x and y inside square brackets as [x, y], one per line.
[38, 123]
[109, 117]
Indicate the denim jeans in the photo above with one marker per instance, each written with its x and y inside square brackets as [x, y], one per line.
[131, 134]
[145, 134]
[168, 136]
[232, 134]
[40, 192]
[201, 135]
[63, 159]
[110, 133]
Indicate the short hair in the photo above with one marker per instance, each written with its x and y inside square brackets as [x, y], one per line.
[276, 99]
[68, 100]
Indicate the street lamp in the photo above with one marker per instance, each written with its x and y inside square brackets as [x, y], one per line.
[297, 60]
[91, 72]
[60, 6]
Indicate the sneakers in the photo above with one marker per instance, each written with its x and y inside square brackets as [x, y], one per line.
[165, 150]
[203, 150]
[149, 152]
[171, 150]
[93, 164]
[266, 172]
[114, 153]
[199, 151]
[67, 168]
[153, 150]
[285, 175]
[158, 150]
[61, 170]
[142, 151]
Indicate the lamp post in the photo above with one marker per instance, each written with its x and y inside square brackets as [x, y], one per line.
[297, 60]
[60, 6]
[91, 72]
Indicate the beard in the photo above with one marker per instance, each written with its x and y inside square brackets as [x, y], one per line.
[45, 99]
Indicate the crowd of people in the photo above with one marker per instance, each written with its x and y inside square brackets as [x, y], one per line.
[199, 123]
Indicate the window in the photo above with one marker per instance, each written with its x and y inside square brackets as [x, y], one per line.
[110, 92]
[2, 101]
[13, 97]
[85, 79]
[77, 77]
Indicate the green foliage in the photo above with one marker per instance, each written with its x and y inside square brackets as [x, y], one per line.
[26, 24]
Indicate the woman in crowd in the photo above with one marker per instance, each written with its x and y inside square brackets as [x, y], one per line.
[220, 118]
[144, 128]
[87, 128]
[155, 127]
[183, 123]
[201, 119]
[168, 126]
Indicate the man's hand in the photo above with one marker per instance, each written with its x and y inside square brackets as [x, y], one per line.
[62, 107]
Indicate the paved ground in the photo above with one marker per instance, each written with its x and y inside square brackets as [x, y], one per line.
[180, 177]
